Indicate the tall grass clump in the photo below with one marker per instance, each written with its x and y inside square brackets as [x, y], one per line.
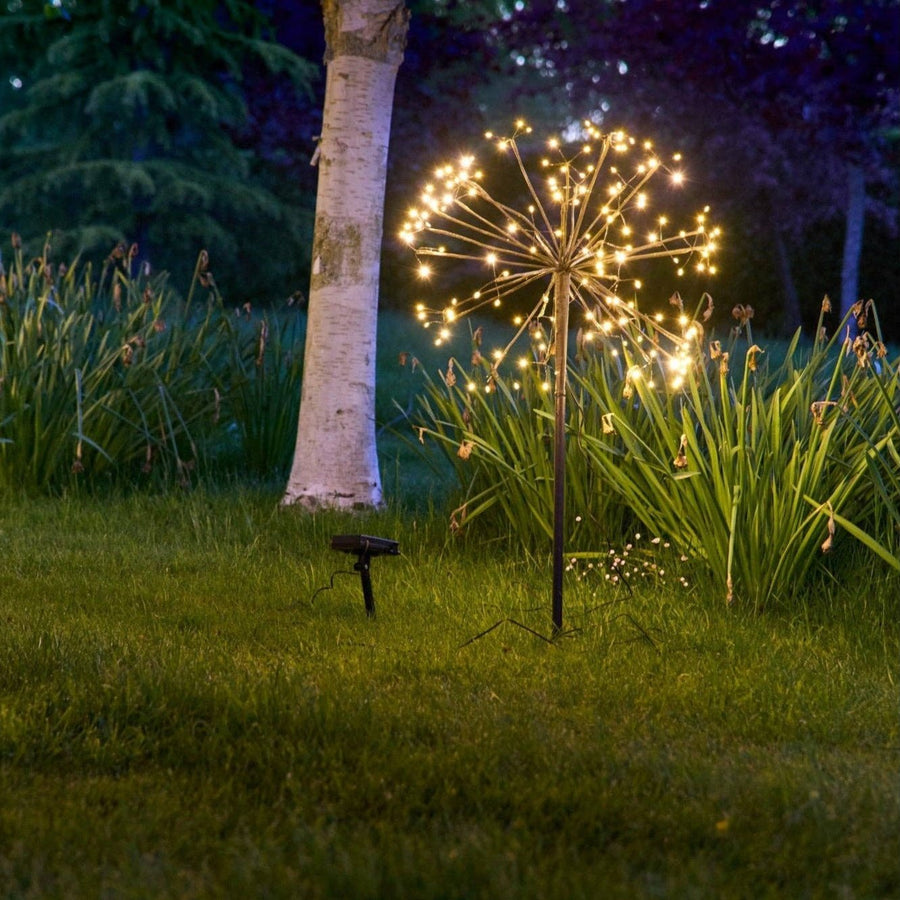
[264, 372]
[115, 380]
[499, 446]
[758, 469]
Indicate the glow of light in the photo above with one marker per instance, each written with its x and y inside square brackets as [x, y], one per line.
[531, 246]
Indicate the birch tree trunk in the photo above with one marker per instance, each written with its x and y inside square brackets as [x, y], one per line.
[853, 237]
[335, 462]
[792, 318]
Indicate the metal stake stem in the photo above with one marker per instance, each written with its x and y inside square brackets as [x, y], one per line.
[362, 566]
[560, 352]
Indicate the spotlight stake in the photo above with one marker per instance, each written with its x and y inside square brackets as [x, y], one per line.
[365, 547]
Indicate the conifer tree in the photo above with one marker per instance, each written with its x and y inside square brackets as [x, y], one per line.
[121, 120]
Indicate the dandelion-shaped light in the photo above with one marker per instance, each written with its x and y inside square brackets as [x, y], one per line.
[582, 227]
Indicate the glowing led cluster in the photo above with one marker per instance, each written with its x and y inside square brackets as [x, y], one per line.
[588, 213]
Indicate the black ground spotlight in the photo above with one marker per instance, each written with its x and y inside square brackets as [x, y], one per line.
[365, 547]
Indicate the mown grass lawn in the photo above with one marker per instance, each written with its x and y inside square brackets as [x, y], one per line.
[184, 714]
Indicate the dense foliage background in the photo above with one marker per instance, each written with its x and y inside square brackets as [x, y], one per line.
[187, 126]
[145, 122]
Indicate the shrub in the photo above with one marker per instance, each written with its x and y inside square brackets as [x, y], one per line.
[750, 468]
[499, 443]
[115, 380]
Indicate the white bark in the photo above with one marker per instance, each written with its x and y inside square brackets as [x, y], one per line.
[335, 461]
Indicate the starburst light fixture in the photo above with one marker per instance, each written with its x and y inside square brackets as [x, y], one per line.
[577, 235]
[583, 229]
